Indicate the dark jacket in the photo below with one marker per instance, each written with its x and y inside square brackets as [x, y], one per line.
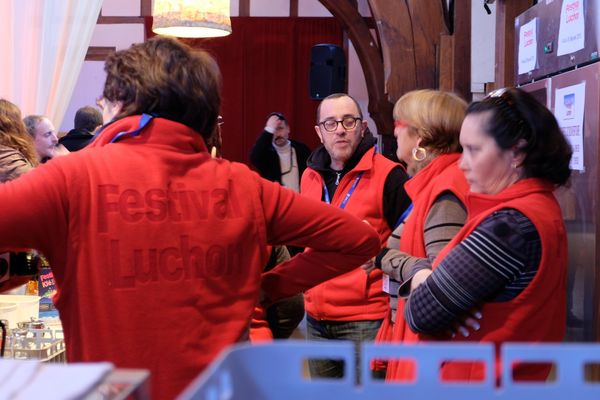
[285, 315]
[266, 161]
[76, 139]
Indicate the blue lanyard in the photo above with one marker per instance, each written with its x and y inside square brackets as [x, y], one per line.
[328, 199]
[144, 120]
[404, 215]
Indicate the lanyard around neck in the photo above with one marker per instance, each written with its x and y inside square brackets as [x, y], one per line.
[291, 162]
[348, 195]
[144, 120]
[404, 215]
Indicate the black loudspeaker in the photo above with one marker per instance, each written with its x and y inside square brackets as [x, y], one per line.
[327, 71]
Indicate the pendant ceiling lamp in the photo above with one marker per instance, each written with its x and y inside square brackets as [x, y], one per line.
[191, 18]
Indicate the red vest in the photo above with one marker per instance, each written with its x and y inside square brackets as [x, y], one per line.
[538, 314]
[354, 296]
[441, 175]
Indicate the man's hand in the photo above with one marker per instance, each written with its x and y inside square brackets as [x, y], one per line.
[466, 324]
[272, 123]
[369, 266]
[419, 278]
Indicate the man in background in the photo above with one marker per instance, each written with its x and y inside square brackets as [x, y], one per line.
[346, 172]
[44, 137]
[277, 157]
[87, 120]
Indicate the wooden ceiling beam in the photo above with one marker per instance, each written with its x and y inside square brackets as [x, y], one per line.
[369, 55]
[412, 48]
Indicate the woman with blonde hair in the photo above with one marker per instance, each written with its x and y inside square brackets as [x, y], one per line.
[427, 127]
[17, 153]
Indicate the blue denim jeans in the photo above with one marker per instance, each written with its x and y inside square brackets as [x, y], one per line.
[356, 331]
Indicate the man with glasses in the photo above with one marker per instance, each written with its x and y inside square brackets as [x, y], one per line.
[346, 172]
[276, 157]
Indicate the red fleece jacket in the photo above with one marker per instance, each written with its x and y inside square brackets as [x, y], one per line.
[158, 249]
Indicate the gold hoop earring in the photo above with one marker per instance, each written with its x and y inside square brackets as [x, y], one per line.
[419, 153]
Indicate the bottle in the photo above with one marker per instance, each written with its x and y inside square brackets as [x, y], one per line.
[24, 263]
[18, 264]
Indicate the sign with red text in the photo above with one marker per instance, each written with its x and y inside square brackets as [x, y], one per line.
[46, 288]
[571, 34]
[528, 47]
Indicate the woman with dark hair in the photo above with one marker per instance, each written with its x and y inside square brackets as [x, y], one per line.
[17, 152]
[157, 248]
[509, 262]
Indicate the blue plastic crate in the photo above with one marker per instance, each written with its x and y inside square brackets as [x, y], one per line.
[276, 371]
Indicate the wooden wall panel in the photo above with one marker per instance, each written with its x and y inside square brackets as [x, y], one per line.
[98, 53]
[380, 109]
[244, 10]
[455, 53]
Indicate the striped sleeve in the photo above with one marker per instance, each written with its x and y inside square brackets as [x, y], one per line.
[494, 263]
[445, 219]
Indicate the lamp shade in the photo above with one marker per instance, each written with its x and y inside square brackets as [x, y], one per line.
[191, 18]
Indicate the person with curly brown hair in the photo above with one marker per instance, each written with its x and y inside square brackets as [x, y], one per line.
[158, 248]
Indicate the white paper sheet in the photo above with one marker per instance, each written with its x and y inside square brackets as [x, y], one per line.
[569, 106]
[528, 46]
[571, 33]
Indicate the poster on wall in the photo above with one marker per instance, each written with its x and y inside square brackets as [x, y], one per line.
[569, 105]
[528, 46]
[571, 33]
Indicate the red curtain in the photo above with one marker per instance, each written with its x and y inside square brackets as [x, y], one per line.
[265, 64]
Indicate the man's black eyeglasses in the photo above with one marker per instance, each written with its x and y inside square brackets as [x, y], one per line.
[348, 123]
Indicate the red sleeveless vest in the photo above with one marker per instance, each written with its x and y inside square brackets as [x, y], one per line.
[355, 295]
[538, 314]
[441, 175]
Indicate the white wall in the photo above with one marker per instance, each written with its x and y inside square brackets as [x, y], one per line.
[121, 8]
[91, 78]
[88, 87]
[312, 8]
[269, 8]
[483, 31]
